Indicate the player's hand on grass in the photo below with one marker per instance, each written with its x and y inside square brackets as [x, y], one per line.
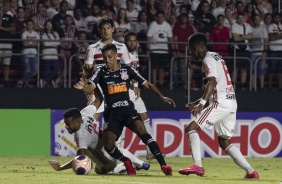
[55, 165]
[137, 92]
[169, 101]
[80, 84]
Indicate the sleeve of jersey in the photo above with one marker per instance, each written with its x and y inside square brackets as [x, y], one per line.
[89, 56]
[210, 67]
[125, 55]
[90, 110]
[135, 75]
[95, 77]
[82, 139]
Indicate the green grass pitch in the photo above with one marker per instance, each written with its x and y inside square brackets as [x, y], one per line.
[36, 170]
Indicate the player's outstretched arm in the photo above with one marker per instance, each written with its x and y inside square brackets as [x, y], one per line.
[82, 85]
[155, 90]
[98, 98]
[59, 167]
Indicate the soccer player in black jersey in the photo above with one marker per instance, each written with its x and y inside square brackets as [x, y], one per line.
[114, 79]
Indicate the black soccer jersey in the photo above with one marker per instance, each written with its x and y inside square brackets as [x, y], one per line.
[115, 84]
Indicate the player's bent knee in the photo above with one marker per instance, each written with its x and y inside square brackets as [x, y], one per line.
[224, 141]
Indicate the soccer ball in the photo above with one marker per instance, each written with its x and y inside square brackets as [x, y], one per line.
[81, 165]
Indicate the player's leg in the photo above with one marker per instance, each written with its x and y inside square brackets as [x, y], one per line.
[139, 164]
[225, 130]
[208, 117]
[138, 127]
[195, 148]
[111, 133]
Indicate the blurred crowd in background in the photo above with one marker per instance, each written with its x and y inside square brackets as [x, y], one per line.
[62, 30]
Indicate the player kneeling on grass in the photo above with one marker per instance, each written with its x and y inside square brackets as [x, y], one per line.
[88, 139]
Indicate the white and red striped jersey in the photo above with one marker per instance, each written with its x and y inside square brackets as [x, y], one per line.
[89, 131]
[214, 66]
[94, 54]
[134, 60]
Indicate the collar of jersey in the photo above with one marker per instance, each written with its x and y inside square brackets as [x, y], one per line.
[114, 70]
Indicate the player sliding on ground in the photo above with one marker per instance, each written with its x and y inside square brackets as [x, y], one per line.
[88, 139]
[221, 112]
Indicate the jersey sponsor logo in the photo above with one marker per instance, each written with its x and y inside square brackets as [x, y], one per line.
[89, 124]
[230, 97]
[118, 88]
[120, 104]
[209, 123]
[124, 75]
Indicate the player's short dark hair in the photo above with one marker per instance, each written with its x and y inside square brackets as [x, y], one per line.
[198, 38]
[108, 47]
[105, 20]
[128, 34]
[72, 113]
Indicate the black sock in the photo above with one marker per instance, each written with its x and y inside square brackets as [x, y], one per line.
[154, 147]
[115, 153]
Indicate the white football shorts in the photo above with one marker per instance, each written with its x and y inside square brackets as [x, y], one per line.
[139, 103]
[223, 120]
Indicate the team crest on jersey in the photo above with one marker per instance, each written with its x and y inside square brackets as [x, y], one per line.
[124, 75]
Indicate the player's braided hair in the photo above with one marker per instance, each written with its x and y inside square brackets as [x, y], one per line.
[198, 38]
[73, 113]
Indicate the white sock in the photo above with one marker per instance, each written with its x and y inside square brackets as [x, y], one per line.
[149, 130]
[194, 140]
[238, 158]
[132, 157]
[119, 168]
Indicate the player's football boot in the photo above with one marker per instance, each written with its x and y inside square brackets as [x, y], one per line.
[144, 166]
[167, 170]
[129, 168]
[192, 170]
[151, 156]
[253, 175]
